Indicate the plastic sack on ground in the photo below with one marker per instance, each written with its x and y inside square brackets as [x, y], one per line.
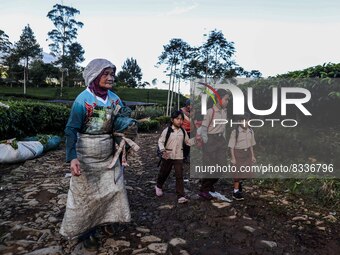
[25, 151]
[50, 142]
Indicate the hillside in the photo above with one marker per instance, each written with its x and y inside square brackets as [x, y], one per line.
[157, 96]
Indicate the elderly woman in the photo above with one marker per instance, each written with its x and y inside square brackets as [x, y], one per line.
[97, 195]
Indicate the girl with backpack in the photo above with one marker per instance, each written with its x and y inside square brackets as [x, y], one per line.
[215, 145]
[241, 144]
[170, 145]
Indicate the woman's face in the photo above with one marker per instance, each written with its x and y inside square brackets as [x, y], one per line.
[107, 78]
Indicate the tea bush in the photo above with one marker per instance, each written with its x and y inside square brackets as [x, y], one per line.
[29, 118]
[148, 126]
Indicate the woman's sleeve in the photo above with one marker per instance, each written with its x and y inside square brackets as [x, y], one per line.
[73, 126]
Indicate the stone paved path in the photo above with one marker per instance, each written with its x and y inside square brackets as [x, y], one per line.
[33, 197]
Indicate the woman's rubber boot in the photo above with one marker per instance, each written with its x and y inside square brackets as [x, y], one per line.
[91, 243]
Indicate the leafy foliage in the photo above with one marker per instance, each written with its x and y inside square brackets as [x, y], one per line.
[131, 73]
[29, 118]
[145, 112]
[217, 54]
[68, 51]
[323, 105]
[26, 48]
[40, 71]
[66, 28]
[148, 126]
[5, 44]
[175, 56]
[163, 119]
[14, 68]
[327, 70]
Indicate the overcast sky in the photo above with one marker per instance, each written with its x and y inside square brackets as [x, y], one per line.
[271, 36]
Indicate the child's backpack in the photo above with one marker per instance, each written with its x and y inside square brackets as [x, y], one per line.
[168, 133]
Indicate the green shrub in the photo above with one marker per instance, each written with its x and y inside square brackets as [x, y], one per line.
[148, 126]
[325, 191]
[29, 118]
[163, 119]
[152, 112]
[299, 143]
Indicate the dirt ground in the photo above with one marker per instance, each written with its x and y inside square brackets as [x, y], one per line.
[33, 197]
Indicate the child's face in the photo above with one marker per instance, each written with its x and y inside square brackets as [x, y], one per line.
[177, 122]
[225, 101]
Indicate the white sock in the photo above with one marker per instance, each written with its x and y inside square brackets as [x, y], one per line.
[235, 190]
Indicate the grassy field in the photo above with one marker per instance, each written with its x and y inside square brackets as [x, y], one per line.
[157, 96]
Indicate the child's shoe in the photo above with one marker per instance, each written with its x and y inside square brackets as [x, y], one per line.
[238, 196]
[183, 200]
[159, 192]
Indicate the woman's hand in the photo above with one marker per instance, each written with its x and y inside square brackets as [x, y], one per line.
[75, 167]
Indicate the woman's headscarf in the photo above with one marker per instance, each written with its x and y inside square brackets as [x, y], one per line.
[92, 73]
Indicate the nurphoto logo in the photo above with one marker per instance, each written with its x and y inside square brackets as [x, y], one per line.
[239, 103]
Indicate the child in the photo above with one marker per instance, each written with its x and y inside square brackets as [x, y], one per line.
[241, 144]
[172, 155]
[187, 113]
[215, 144]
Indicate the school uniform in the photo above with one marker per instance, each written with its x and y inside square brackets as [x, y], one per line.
[214, 151]
[174, 146]
[241, 147]
[187, 127]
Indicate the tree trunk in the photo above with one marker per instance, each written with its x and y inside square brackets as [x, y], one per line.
[25, 75]
[168, 100]
[62, 82]
[25, 79]
[172, 89]
[178, 97]
[206, 69]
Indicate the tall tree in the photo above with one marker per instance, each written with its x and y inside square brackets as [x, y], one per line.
[75, 55]
[14, 69]
[214, 59]
[27, 48]
[5, 48]
[40, 72]
[131, 73]
[217, 54]
[64, 35]
[66, 29]
[5, 44]
[174, 56]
